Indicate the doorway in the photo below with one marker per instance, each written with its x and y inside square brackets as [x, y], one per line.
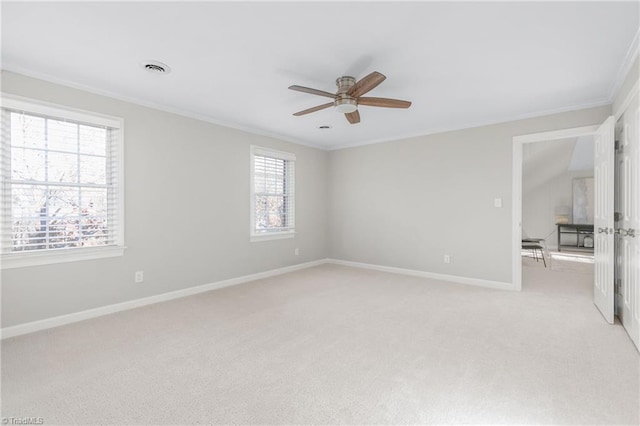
[603, 223]
[542, 150]
[558, 210]
[557, 202]
[616, 283]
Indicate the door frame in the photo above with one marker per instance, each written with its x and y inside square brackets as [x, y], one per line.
[516, 184]
[516, 210]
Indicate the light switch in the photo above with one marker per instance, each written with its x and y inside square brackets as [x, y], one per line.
[497, 202]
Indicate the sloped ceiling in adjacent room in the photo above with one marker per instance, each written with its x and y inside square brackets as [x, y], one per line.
[583, 154]
[545, 161]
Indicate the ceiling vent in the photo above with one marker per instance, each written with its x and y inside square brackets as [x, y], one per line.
[156, 67]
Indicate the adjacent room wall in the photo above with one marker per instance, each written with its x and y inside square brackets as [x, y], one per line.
[187, 212]
[538, 206]
[409, 202]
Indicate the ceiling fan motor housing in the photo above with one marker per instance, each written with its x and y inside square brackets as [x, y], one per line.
[345, 83]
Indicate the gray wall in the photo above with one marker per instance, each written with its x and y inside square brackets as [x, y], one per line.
[407, 203]
[404, 203]
[187, 212]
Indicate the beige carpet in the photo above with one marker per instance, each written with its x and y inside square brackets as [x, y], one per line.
[335, 345]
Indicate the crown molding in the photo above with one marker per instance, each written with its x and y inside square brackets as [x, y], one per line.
[148, 104]
[476, 124]
[335, 147]
[632, 53]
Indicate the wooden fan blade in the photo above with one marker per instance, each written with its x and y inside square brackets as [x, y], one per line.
[353, 117]
[366, 84]
[312, 91]
[314, 109]
[384, 102]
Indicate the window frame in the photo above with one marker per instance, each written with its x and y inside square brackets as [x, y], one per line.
[27, 258]
[270, 235]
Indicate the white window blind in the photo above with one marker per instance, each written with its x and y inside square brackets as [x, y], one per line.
[61, 180]
[273, 192]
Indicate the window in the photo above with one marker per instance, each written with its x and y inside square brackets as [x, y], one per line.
[61, 184]
[272, 194]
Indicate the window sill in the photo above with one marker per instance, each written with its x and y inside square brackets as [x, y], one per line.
[272, 236]
[26, 259]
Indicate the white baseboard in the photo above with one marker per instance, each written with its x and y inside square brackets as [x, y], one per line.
[31, 327]
[44, 324]
[423, 274]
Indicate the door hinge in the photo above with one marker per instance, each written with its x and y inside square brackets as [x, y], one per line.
[619, 147]
[617, 216]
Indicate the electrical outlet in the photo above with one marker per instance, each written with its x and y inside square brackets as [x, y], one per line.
[139, 276]
[447, 258]
[296, 251]
[497, 202]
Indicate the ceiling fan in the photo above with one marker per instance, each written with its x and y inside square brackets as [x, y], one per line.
[349, 96]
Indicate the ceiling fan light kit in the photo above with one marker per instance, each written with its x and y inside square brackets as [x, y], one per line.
[345, 104]
[348, 96]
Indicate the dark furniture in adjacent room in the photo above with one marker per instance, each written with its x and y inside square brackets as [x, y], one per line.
[574, 237]
[534, 245]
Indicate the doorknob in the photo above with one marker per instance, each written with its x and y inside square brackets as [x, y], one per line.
[625, 232]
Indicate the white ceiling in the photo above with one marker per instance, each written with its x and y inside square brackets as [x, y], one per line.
[462, 64]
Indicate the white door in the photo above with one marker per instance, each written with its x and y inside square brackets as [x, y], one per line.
[629, 220]
[603, 289]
